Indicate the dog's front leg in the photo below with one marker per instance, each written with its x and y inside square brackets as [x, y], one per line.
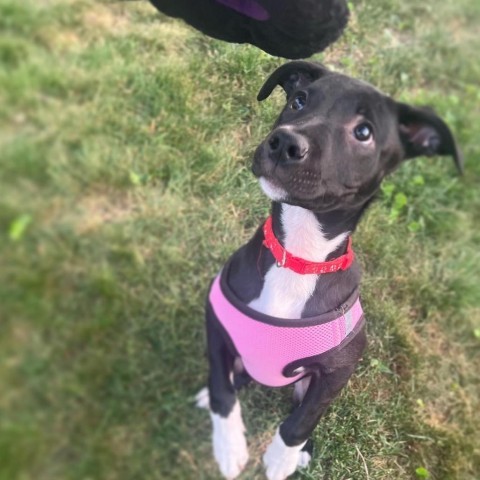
[229, 444]
[285, 454]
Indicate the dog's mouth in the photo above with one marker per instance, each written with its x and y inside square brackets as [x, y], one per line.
[322, 200]
[272, 191]
[305, 187]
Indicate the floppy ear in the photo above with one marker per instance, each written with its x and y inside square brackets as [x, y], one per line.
[291, 76]
[423, 132]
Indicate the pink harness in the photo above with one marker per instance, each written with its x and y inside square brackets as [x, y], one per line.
[272, 348]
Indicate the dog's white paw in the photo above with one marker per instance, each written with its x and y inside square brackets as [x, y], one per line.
[281, 461]
[202, 399]
[229, 443]
[303, 459]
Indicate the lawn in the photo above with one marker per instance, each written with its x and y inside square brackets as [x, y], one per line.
[125, 145]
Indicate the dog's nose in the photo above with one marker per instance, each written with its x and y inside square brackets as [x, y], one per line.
[286, 146]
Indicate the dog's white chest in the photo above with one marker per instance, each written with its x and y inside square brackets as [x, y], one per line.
[285, 293]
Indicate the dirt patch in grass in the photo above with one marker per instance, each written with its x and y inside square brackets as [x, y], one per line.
[96, 210]
[91, 212]
[62, 40]
[109, 19]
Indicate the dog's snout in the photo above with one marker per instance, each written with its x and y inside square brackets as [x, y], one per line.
[285, 146]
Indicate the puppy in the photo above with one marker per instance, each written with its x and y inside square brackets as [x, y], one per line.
[286, 304]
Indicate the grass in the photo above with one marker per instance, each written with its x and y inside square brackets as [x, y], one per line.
[125, 142]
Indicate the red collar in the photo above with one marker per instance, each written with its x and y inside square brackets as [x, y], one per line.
[299, 265]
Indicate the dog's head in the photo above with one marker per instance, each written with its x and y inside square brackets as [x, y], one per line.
[337, 138]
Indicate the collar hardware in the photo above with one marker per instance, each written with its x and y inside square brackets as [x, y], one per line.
[284, 260]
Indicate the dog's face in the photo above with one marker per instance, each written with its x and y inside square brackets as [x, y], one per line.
[338, 137]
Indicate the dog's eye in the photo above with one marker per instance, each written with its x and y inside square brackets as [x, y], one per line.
[363, 132]
[298, 102]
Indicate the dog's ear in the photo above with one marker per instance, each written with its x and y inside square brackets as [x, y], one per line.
[423, 132]
[291, 76]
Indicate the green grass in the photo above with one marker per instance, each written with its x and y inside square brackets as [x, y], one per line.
[125, 142]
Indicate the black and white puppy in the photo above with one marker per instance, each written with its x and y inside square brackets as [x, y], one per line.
[321, 165]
